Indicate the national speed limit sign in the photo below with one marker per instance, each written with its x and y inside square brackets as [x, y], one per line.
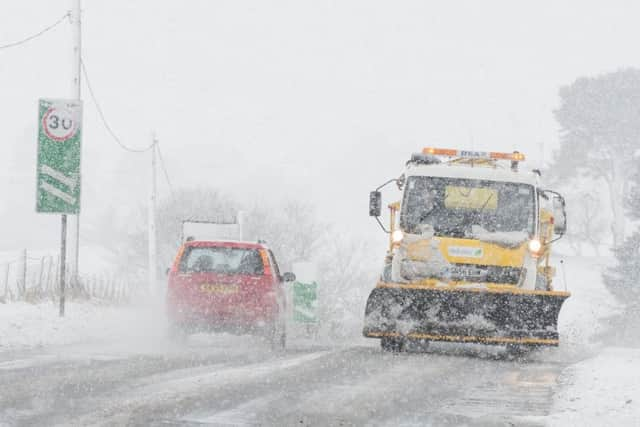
[60, 122]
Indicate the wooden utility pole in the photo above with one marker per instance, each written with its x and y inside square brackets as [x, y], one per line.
[153, 247]
[75, 94]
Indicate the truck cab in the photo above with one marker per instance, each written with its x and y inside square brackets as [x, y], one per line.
[472, 221]
[470, 238]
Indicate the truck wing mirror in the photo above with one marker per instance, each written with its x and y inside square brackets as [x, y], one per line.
[559, 215]
[375, 203]
[558, 210]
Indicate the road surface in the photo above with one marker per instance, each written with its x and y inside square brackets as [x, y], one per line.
[221, 380]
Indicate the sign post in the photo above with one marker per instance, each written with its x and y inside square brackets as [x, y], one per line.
[58, 167]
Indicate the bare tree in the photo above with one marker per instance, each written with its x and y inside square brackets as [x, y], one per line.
[291, 229]
[349, 266]
[196, 203]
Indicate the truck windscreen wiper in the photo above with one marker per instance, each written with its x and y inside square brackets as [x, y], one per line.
[476, 216]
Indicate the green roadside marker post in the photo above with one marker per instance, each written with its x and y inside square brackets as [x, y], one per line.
[58, 167]
[305, 302]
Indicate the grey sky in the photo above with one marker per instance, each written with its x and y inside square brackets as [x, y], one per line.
[314, 99]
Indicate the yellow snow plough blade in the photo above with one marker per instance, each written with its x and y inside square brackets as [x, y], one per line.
[493, 314]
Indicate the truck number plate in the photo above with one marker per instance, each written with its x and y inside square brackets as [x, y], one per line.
[465, 252]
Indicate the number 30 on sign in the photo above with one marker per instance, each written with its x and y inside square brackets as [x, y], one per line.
[60, 122]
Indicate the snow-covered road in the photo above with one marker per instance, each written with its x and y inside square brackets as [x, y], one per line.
[224, 380]
[106, 365]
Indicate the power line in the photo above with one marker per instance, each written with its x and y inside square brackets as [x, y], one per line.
[104, 120]
[38, 34]
[113, 135]
[164, 169]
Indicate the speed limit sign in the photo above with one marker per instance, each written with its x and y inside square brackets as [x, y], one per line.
[58, 167]
[60, 122]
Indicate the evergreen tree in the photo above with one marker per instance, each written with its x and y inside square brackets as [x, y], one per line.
[599, 120]
[623, 279]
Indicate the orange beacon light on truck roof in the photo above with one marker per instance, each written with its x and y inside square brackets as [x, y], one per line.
[515, 156]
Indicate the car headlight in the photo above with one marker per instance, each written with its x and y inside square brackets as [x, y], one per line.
[397, 236]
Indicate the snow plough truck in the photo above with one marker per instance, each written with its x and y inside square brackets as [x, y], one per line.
[469, 254]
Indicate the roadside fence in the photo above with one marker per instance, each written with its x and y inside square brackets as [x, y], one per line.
[34, 277]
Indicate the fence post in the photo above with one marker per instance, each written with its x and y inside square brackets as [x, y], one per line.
[105, 285]
[23, 275]
[112, 286]
[49, 275]
[56, 277]
[41, 276]
[6, 281]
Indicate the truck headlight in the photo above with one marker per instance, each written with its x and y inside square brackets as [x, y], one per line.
[535, 246]
[397, 236]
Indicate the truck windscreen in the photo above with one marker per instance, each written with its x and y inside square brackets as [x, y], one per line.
[458, 207]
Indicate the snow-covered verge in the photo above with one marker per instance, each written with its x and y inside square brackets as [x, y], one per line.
[602, 390]
[25, 325]
[602, 385]
[132, 328]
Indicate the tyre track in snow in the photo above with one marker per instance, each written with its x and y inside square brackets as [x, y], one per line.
[353, 387]
[507, 392]
[363, 386]
[140, 402]
[322, 391]
[360, 386]
[37, 389]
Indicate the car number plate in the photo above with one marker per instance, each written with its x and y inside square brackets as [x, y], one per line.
[214, 288]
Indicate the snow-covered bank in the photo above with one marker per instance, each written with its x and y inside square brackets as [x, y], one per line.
[583, 315]
[28, 325]
[603, 390]
[25, 325]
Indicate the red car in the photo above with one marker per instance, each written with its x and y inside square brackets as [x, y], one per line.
[227, 286]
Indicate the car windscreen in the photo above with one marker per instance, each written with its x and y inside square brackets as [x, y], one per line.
[458, 207]
[222, 260]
